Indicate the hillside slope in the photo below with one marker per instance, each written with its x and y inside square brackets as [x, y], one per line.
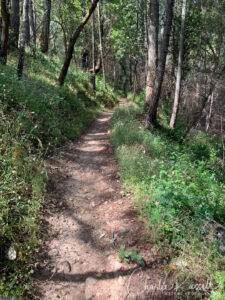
[35, 117]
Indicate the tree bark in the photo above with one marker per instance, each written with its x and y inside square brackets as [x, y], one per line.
[85, 52]
[101, 45]
[15, 22]
[32, 28]
[46, 26]
[209, 113]
[98, 63]
[23, 38]
[179, 68]
[93, 51]
[72, 42]
[5, 32]
[152, 49]
[152, 112]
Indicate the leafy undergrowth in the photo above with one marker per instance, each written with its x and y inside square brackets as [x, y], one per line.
[179, 191]
[131, 255]
[35, 117]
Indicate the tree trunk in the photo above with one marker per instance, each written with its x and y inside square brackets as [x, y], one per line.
[5, 32]
[64, 38]
[209, 113]
[114, 73]
[130, 73]
[23, 38]
[32, 28]
[46, 26]
[93, 51]
[203, 112]
[152, 112]
[101, 45]
[85, 52]
[98, 63]
[209, 98]
[152, 49]
[179, 68]
[72, 42]
[198, 79]
[135, 81]
[146, 43]
[15, 22]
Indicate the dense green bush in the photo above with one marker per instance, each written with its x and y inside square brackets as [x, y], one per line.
[179, 188]
[35, 117]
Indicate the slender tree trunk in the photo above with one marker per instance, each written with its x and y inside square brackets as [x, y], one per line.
[222, 140]
[152, 49]
[152, 112]
[98, 63]
[198, 79]
[203, 111]
[5, 32]
[179, 68]
[135, 81]
[46, 26]
[64, 38]
[72, 42]
[15, 22]
[130, 73]
[114, 73]
[93, 51]
[123, 76]
[209, 98]
[101, 45]
[209, 113]
[85, 52]
[23, 38]
[32, 28]
[146, 43]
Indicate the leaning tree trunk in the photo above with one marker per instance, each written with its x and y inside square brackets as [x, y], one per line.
[23, 37]
[101, 45]
[179, 68]
[46, 26]
[152, 112]
[32, 28]
[5, 32]
[15, 22]
[152, 49]
[72, 42]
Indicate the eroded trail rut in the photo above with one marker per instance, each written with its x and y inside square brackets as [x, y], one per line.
[88, 217]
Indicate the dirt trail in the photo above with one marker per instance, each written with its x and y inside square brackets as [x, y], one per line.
[88, 216]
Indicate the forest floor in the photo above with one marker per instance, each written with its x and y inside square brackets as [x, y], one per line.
[87, 217]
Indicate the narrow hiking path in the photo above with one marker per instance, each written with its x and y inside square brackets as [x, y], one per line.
[88, 217]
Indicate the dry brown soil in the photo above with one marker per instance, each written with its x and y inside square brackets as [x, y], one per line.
[87, 215]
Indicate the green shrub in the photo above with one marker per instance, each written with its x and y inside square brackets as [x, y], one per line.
[179, 188]
[220, 293]
[130, 256]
